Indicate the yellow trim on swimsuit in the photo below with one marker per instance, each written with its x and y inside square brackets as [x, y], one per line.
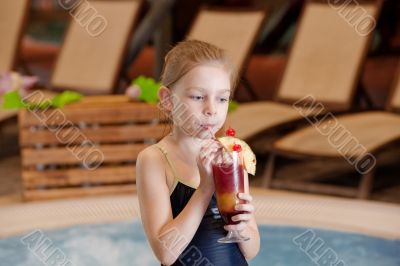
[175, 173]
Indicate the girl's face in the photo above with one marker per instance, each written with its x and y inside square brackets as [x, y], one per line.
[200, 100]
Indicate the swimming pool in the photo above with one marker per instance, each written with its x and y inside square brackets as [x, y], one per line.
[124, 243]
[296, 229]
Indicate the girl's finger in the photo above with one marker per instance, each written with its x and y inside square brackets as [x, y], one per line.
[212, 155]
[209, 160]
[209, 150]
[210, 143]
[235, 227]
[245, 196]
[243, 217]
[244, 207]
[206, 152]
[215, 149]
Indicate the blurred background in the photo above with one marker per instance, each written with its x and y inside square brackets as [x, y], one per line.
[160, 24]
[71, 161]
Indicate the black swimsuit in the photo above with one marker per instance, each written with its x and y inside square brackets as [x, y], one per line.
[204, 248]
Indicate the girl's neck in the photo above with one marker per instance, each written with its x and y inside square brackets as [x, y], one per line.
[187, 146]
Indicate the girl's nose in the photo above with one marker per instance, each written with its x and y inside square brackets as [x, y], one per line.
[210, 109]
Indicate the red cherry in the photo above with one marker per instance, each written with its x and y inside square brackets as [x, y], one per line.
[230, 132]
[237, 147]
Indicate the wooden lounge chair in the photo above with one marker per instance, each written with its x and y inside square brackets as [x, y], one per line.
[92, 53]
[234, 30]
[94, 46]
[359, 138]
[13, 14]
[325, 61]
[85, 148]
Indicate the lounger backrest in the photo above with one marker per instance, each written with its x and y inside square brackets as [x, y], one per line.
[94, 45]
[328, 51]
[394, 98]
[234, 30]
[13, 15]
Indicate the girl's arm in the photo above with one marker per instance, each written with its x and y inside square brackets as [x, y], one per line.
[168, 237]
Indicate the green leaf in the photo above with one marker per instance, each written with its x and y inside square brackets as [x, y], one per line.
[149, 89]
[233, 105]
[38, 105]
[64, 98]
[12, 100]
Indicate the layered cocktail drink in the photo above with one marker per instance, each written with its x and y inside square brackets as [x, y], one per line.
[229, 168]
[229, 181]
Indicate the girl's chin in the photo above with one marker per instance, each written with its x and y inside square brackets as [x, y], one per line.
[205, 134]
[200, 134]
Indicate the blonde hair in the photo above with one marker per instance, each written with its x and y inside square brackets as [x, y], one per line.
[191, 53]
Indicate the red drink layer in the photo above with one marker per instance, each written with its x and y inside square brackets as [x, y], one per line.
[229, 181]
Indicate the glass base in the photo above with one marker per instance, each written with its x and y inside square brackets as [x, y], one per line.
[233, 237]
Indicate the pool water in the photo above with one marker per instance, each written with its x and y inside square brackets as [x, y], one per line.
[124, 243]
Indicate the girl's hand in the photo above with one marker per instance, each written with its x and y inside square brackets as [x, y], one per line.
[204, 162]
[243, 218]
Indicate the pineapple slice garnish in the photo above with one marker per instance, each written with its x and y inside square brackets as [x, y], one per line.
[249, 158]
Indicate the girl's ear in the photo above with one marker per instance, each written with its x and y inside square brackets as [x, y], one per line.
[165, 96]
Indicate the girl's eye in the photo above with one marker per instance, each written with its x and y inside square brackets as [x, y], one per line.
[197, 98]
[223, 100]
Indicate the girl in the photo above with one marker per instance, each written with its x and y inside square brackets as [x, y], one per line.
[174, 177]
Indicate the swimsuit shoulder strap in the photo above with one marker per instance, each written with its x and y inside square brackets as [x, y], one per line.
[174, 172]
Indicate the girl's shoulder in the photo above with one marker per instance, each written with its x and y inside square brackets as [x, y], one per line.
[151, 153]
[150, 165]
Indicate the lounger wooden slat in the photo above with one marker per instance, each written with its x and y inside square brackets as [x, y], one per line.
[107, 114]
[90, 154]
[93, 49]
[111, 153]
[344, 138]
[74, 177]
[107, 134]
[103, 100]
[235, 31]
[271, 113]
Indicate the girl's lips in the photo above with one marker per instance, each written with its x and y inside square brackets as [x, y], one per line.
[207, 126]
